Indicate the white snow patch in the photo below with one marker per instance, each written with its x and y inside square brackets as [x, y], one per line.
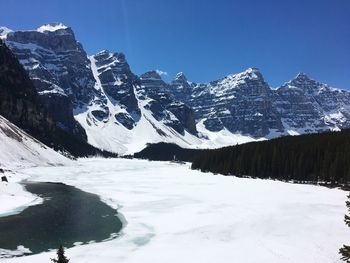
[51, 27]
[161, 72]
[221, 138]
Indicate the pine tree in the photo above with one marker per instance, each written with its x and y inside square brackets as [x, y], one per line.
[345, 250]
[61, 258]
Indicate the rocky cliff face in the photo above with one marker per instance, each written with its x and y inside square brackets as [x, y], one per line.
[241, 103]
[21, 105]
[244, 103]
[59, 68]
[163, 106]
[19, 102]
[309, 105]
[132, 110]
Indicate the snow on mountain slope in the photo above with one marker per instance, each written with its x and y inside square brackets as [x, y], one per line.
[122, 112]
[174, 214]
[130, 113]
[106, 130]
[116, 108]
[19, 150]
[221, 138]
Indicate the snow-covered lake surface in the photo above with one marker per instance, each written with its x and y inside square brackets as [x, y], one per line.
[175, 214]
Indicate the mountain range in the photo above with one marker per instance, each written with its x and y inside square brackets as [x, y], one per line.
[98, 99]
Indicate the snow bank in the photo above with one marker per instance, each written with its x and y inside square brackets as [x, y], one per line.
[20, 150]
[175, 214]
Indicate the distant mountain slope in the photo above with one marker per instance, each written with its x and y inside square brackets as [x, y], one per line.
[244, 103]
[323, 157]
[133, 111]
[19, 149]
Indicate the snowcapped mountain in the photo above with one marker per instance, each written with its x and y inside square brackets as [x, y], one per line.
[59, 69]
[21, 104]
[241, 103]
[307, 105]
[118, 110]
[244, 103]
[100, 99]
[132, 111]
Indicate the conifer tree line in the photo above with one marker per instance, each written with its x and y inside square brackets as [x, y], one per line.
[345, 250]
[323, 157]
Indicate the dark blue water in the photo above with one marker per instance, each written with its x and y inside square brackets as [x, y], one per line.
[68, 215]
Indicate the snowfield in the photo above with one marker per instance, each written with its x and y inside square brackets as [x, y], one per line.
[174, 214]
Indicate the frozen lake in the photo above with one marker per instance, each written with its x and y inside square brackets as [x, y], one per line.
[174, 214]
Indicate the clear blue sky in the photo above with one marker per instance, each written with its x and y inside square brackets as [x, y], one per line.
[206, 39]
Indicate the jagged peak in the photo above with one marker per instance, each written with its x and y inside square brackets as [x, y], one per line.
[252, 73]
[252, 70]
[180, 76]
[302, 76]
[51, 27]
[303, 81]
[153, 74]
[108, 54]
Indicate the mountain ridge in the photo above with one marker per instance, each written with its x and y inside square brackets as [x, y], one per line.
[112, 108]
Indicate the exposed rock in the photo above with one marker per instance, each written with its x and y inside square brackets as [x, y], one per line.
[244, 103]
[164, 106]
[241, 103]
[59, 68]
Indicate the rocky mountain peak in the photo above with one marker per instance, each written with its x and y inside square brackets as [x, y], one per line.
[301, 76]
[253, 73]
[153, 74]
[106, 54]
[180, 77]
[305, 83]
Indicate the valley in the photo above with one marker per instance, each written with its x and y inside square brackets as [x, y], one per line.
[174, 131]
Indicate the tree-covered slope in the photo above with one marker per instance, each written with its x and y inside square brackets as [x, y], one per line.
[167, 152]
[312, 158]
